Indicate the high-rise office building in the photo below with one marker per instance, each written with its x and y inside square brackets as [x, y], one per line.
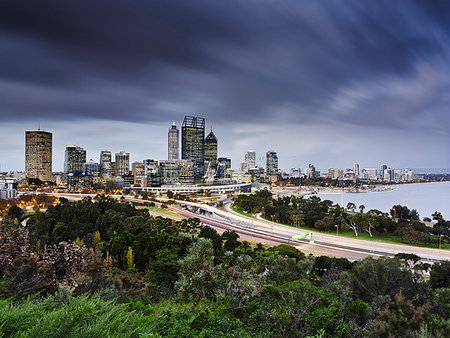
[92, 168]
[271, 163]
[173, 142]
[249, 161]
[211, 150]
[105, 164]
[250, 158]
[176, 172]
[356, 170]
[311, 172]
[193, 144]
[122, 163]
[138, 172]
[75, 159]
[383, 168]
[223, 166]
[152, 173]
[38, 154]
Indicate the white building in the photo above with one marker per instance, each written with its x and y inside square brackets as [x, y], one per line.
[8, 188]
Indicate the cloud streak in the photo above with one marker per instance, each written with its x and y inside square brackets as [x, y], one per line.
[324, 64]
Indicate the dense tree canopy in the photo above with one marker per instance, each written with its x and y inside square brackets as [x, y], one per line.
[103, 261]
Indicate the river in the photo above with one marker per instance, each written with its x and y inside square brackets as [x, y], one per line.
[426, 198]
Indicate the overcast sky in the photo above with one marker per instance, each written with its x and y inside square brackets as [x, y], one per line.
[324, 82]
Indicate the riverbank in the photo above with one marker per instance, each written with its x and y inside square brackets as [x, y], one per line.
[426, 198]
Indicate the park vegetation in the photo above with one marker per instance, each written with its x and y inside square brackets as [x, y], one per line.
[103, 268]
[323, 215]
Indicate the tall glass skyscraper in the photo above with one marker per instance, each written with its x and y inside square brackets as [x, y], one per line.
[38, 154]
[193, 144]
[122, 163]
[105, 164]
[211, 150]
[75, 159]
[173, 142]
[271, 163]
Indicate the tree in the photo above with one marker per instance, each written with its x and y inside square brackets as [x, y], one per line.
[15, 213]
[440, 275]
[213, 235]
[325, 224]
[368, 223]
[195, 276]
[399, 319]
[351, 206]
[372, 278]
[352, 223]
[288, 250]
[361, 208]
[231, 240]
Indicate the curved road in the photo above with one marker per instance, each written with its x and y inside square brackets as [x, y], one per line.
[263, 231]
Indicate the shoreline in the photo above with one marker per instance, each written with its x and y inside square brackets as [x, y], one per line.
[313, 190]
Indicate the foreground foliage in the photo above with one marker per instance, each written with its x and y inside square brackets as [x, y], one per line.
[104, 268]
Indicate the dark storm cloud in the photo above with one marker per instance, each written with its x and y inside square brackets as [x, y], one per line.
[300, 61]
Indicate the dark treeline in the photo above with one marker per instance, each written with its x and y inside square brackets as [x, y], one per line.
[105, 268]
[323, 215]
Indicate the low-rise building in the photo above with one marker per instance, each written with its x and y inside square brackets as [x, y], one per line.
[8, 188]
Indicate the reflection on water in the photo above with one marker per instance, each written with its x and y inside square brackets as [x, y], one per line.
[426, 198]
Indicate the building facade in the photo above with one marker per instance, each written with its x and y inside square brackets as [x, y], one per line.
[105, 165]
[8, 188]
[138, 171]
[122, 160]
[75, 159]
[271, 163]
[173, 142]
[176, 172]
[193, 144]
[211, 150]
[38, 154]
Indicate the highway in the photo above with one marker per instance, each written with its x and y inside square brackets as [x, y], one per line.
[263, 231]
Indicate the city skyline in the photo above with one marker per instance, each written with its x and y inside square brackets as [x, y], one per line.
[318, 82]
[261, 163]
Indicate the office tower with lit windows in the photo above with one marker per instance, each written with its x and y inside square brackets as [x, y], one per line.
[138, 172]
[105, 164]
[38, 154]
[92, 168]
[75, 159]
[173, 142]
[211, 150]
[122, 163]
[271, 163]
[193, 144]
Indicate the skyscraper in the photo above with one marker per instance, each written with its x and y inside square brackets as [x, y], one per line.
[211, 150]
[92, 168]
[38, 154]
[356, 170]
[249, 161]
[75, 159]
[250, 158]
[122, 163]
[173, 142]
[271, 163]
[105, 165]
[193, 144]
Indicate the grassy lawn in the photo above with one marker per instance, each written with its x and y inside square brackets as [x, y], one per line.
[162, 211]
[240, 211]
[385, 238]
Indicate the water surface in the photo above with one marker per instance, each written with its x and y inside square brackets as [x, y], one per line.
[426, 198]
